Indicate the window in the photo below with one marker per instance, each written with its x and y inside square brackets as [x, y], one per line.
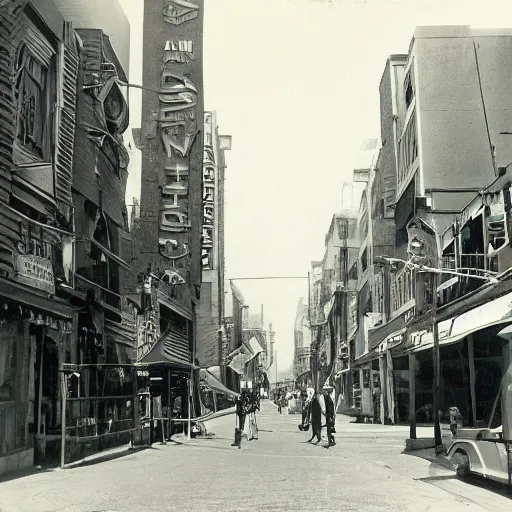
[100, 265]
[364, 261]
[407, 148]
[409, 86]
[496, 228]
[33, 97]
[208, 139]
[402, 290]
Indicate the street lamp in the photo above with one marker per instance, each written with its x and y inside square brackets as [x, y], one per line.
[418, 254]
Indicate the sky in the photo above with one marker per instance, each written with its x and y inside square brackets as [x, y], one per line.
[295, 82]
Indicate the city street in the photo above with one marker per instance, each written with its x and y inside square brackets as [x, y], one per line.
[365, 471]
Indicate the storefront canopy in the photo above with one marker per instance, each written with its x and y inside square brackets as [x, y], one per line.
[214, 383]
[160, 354]
[243, 355]
[495, 313]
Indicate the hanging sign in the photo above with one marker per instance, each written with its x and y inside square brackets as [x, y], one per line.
[35, 271]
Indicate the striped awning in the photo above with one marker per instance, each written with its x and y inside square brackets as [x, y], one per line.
[176, 345]
[172, 348]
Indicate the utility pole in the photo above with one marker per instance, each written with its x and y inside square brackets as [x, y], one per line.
[275, 362]
[439, 448]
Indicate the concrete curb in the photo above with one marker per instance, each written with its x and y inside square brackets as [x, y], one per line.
[104, 457]
[422, 443]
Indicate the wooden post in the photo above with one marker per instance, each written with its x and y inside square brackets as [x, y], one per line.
[189, 412]
[383, 389]
[64, 385]
[40, 390]
[412, 395]
[471, 360]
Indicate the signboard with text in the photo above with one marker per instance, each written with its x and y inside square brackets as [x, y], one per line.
[35, 271]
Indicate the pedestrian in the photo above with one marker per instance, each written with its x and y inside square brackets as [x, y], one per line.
[306, 406]
[316, 419]
[253, 407]
[241, 408]
[279, 402]
[330, 417]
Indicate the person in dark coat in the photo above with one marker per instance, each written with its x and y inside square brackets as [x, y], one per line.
[241, 412]
[306, 403]
[330, 417]
[316, 419]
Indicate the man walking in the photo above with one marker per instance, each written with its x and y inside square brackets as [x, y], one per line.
[241, 411]
[316, 419]
[330, 417]
[306, 404]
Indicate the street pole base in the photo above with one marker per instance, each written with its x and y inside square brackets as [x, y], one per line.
[440, 450]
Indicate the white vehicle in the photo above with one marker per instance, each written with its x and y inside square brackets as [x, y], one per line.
[482, 452]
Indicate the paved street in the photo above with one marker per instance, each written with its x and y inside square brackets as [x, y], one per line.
[365, 471]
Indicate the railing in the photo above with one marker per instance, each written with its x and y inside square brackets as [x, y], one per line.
[108, 297]
[89, 422]
[303, 351]
[469, 264]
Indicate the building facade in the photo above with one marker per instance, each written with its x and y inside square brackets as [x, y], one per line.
[211, 309]
[250, 347]
[458, 219]
[302, 342]
[168, 233]
[61, 235]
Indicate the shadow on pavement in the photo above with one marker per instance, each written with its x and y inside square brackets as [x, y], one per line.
[437, 462]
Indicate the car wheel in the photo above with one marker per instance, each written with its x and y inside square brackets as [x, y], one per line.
[461, 463]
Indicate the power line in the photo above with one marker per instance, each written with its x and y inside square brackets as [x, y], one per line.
[267, 277]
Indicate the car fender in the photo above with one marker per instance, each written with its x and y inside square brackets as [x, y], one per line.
[471, 449]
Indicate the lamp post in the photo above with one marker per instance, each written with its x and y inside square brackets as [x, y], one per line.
[416, 253]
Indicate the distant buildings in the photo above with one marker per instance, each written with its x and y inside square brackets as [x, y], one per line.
[439, 181]
[302, 342]
[211, 309]
[250, 347]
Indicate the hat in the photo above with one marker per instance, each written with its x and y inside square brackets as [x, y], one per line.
[327, 388]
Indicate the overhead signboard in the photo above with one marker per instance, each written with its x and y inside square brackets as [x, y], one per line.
[35, 271]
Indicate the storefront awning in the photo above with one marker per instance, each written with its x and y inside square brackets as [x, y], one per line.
[243, 355]
[302, 375]
[494, 313]
[366, 358]
[17, 293]
[214, 383]
[161, 354]
[377, 336]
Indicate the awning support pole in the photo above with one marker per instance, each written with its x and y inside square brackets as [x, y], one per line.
[64, 384]
[189, 412]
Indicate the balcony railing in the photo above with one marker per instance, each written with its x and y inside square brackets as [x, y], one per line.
[106, 296]
[303, 351]
[469, 264]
